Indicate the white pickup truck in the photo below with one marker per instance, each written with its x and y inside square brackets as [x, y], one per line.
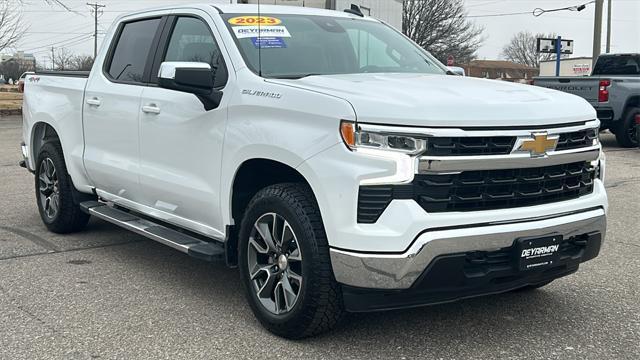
[330, 158]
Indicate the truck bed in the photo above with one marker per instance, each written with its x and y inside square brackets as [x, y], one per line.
[56, 98]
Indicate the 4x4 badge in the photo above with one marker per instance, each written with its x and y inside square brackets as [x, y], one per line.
[539, 144]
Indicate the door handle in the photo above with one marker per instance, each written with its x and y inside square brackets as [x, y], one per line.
[94, 102]
[151, 109]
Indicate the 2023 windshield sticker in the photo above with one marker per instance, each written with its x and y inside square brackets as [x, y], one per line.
[254, 20]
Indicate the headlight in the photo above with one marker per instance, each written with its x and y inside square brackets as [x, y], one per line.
[376, 137]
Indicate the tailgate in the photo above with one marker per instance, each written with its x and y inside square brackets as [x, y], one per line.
[585, 87]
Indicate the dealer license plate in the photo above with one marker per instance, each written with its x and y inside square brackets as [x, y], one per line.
[539, 253]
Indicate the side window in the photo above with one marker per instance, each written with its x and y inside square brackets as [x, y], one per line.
[192, 41]
[132, 50]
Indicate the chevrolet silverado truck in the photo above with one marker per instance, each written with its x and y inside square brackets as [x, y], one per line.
[324, 154]
[613, 89]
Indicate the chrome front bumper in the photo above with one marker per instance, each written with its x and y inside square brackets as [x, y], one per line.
[400, 271]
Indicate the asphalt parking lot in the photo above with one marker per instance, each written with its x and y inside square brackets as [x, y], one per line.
[106, 293]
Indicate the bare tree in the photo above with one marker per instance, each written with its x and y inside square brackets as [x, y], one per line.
[522, 49]
[440, 27]
[60, 3]
[11, 26]
[81, 62]
[61, 58]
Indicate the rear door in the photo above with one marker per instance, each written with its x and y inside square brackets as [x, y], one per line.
[112, 109]
[180, 141]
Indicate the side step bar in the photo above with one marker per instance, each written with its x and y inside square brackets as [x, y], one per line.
[203, 250]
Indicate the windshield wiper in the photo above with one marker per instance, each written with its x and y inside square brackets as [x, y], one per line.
[294, 76]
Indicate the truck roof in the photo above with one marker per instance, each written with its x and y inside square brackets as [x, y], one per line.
[251, 9]
[278, 9]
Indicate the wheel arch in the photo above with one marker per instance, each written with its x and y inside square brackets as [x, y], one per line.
[246, 184]
[632, 101]
[41, 132]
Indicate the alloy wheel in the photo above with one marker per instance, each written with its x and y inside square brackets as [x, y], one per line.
[275, 263]
[49, 188]
[633, 134]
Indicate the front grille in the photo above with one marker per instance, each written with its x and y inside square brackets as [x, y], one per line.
[469, 146]
[499, 189]
[499, 145]
[481, 190]
[576, 140]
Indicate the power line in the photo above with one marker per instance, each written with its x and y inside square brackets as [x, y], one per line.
[75, 38]
[537, 12]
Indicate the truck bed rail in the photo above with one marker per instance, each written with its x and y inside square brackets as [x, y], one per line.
[80, 74]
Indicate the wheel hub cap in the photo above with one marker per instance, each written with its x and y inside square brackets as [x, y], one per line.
[283, 262]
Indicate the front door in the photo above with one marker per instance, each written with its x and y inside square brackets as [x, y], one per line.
[180, 141]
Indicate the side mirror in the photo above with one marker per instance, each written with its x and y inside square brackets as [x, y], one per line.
[191, 77]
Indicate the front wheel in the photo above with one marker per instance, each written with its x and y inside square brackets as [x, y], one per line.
[284, 263]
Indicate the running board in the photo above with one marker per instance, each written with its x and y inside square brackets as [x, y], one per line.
[203, 250]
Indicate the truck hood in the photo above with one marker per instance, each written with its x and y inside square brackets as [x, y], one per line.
[445, 100]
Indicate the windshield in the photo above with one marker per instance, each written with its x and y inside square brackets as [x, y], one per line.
[295, 46]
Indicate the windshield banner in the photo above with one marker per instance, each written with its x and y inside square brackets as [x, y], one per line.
[243, 32]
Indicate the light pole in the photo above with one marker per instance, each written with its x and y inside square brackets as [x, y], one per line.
[609, 27]
[597, 30]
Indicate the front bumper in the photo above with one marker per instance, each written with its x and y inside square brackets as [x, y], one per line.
[459, 276]
[402, 270]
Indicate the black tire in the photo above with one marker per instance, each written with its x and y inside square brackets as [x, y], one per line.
[626, 134]
[318, 307]
[533, 287]
[68, 218]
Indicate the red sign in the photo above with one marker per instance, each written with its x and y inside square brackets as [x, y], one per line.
[450, 60]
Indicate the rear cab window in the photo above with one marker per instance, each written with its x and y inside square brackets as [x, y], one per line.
[129, 57]
[617, 65]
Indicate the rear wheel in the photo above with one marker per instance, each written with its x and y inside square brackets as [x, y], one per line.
[284, 263]
[55, 192]
[625, 131]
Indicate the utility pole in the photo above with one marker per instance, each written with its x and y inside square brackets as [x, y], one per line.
[95, 7]
[609, 27]
[597, 30]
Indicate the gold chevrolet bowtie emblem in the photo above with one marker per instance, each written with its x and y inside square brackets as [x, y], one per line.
[539, 144]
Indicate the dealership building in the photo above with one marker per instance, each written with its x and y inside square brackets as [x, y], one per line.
[389, 11]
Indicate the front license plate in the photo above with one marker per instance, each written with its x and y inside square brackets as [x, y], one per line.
[539, 253]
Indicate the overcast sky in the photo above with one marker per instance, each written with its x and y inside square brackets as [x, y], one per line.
[53, 26]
